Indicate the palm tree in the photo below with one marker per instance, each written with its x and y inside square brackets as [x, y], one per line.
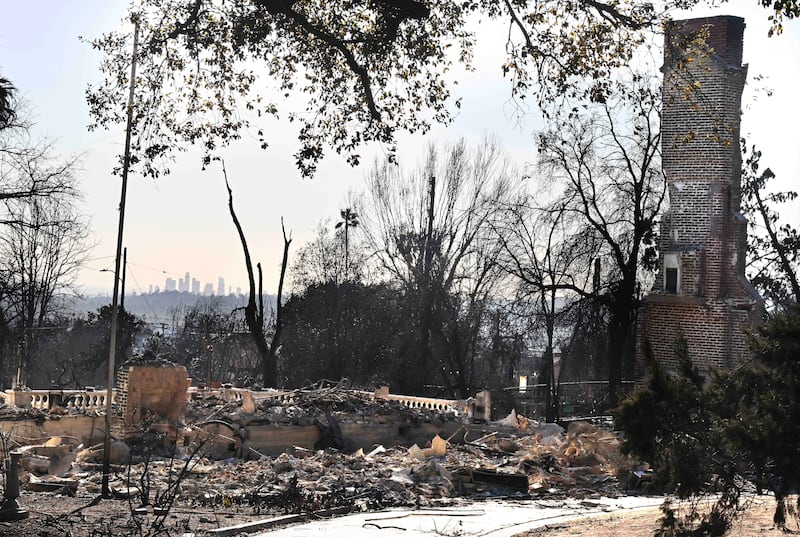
[7, 113]
[349, 219]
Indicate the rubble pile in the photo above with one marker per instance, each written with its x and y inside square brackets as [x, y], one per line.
[254, 425]
[14, 413]
[305, 407]
[514, 457]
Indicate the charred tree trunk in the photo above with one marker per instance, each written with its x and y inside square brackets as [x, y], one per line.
[254, 310]
[552, 400]
[276, 336]
[620, 328]
[427, 283]
[3, 339]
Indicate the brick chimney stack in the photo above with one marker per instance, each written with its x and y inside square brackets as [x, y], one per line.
[725, 35]
[701, 292]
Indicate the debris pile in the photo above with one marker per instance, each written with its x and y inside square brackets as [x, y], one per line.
[269, 424]
[514, 457]
[304, 407]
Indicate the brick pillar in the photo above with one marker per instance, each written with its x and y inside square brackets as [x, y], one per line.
[157, 388]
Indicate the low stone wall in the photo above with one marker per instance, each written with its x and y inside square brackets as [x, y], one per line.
[87, 430]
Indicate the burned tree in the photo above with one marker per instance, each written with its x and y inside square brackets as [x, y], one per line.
[604, 159]
[431, 229]
[41, 254]
[349, 220]
[254, 310]
[546, 258]
[42, 235]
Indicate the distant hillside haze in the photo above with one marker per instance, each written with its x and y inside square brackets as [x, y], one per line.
[159, 307]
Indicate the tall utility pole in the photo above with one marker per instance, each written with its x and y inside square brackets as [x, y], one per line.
[427, 279]
[106, 489]
[124, 271]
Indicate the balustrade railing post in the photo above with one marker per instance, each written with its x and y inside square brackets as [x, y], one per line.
[10, 509]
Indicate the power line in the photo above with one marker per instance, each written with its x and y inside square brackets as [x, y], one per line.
[142, 294]
[162, 271]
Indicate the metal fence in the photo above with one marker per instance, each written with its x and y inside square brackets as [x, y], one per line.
[581, 398]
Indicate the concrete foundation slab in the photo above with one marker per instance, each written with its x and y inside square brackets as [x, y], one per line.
[490, 518]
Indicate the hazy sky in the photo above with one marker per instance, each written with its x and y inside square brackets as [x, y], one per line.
[180, 222]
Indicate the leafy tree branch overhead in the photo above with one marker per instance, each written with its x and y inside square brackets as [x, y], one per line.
[211, 70]
[367, 68]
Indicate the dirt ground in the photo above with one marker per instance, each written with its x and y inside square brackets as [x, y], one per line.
[53, 515]
[756, 520]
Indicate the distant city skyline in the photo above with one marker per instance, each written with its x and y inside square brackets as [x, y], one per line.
[190, 285]
[136, 283]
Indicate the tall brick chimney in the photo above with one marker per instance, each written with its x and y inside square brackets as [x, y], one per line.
[701, 292]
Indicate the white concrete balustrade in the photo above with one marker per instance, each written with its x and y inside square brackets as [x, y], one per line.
[77, 400]
[90, 400]
[437, 405]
